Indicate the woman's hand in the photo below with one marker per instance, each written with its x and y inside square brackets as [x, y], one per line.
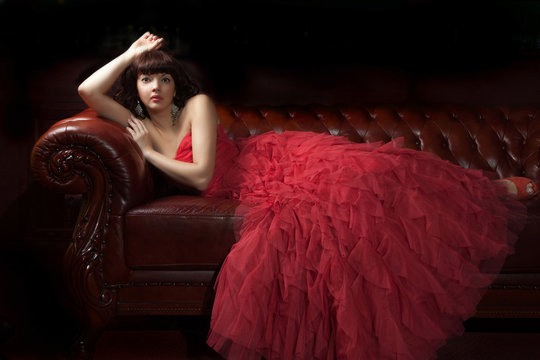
[147, 42]
[140, 134]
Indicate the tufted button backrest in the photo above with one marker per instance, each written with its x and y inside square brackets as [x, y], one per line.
[505, 140]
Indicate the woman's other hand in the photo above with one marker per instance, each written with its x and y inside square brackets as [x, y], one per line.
[139, 133]
[146, 42]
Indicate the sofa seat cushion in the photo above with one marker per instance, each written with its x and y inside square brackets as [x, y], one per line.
[180, 232]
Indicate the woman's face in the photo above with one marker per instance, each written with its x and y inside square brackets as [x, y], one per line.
[156, 91]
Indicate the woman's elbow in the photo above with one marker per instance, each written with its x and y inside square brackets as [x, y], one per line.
[83, 91]
[203, 183]
[204, 180]
[88, 93]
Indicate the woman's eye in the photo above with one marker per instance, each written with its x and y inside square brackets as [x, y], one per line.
[145, 79]
[166, 80]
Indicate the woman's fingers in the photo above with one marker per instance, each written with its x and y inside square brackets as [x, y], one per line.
[152, 38]
[131, 132]
[132, 124]
[139, 133]
[157, 44]
[147, 42]
[155, 41]
[137, 125]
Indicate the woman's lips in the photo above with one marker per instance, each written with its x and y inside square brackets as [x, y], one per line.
[156, 98]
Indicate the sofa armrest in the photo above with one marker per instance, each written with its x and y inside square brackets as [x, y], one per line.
[89, 155]
[95, 157]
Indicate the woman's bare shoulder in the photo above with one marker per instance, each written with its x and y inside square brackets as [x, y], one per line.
[201, 109]
[200, 101]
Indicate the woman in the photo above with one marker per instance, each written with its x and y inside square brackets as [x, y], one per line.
[349, 251]
[169, 122]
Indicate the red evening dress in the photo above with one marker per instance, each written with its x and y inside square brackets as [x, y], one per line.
[351, 251]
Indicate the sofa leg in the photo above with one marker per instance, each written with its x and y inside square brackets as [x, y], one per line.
[94, 301]
[83, 348]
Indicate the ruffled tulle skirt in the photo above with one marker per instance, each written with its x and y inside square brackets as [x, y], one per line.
[354, 251]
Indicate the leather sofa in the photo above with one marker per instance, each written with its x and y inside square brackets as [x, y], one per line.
[144, 246]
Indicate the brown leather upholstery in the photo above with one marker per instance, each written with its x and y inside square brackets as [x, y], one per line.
[134, 252]
[197, 220]
[496, 139]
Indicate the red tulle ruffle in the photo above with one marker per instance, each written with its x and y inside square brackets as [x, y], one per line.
[352, 251]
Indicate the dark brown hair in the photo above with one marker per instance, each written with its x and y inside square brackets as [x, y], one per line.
[154, 62]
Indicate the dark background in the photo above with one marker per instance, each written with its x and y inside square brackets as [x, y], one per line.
[280, 32]
[231, 43]
[260, 51]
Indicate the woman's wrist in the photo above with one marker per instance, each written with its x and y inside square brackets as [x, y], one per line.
[128, 56]
[149, 153]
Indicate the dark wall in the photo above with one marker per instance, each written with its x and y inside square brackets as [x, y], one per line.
[270, 31]
[311, 44]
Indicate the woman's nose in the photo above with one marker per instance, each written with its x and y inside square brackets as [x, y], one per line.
[155, 85]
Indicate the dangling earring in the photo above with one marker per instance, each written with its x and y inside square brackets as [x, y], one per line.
[139, 110]
[174, 113]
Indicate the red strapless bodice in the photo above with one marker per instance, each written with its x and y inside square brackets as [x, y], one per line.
[226, 151]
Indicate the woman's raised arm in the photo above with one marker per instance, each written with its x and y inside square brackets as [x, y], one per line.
[94, 89]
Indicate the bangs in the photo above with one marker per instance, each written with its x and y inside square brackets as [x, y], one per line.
[154, 62]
